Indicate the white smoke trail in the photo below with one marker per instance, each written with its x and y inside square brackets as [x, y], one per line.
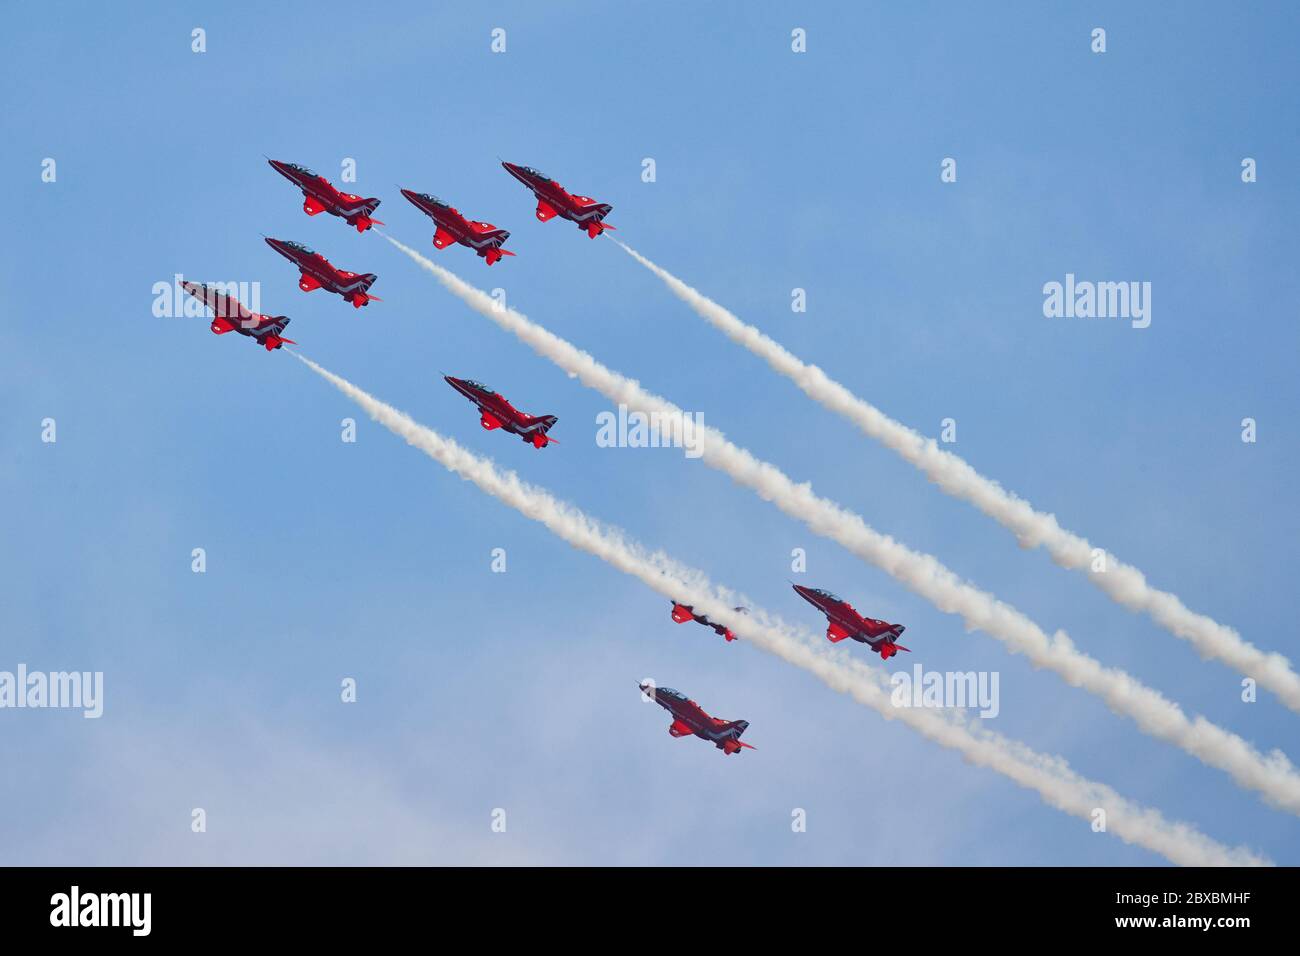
[1273, 775]
[1050, 777]
[1123, 583]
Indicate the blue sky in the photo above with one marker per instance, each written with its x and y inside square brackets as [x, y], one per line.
[775, 170]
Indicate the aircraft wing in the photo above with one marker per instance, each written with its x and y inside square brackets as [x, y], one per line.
[835, 633]
[443, 238]
[545, 211]
[680, 728]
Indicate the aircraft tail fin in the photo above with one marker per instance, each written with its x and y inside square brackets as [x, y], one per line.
[896, 630]
[734, 728]
[731, 742]
[542, 423]
[535, 429]
[362, 215]
[360, 296]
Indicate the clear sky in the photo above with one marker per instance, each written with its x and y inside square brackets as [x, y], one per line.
[775, 170]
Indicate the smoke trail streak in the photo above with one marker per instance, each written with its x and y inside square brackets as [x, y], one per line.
[1050, 777]
[1123, 583]
[1271, 775]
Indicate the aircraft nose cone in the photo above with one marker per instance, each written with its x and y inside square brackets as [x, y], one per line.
[409, 194]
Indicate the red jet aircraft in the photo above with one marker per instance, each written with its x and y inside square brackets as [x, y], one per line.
[684, 612]
[317, 273]
[552, 201]
[846, 622]
[690, 718]
[499, 413]
[483, 237]
[230, 315]
[319, 195]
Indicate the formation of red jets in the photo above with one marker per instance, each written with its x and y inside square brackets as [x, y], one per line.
[452, 228]
[495, 411]
[842, 621]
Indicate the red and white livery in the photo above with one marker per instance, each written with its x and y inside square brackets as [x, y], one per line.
[690, 718]
[319, 195]
[844, 621]
[318, 273]
[230, 315]
[553, 200]
[496, 412]
[684, 612]
[483, 237]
